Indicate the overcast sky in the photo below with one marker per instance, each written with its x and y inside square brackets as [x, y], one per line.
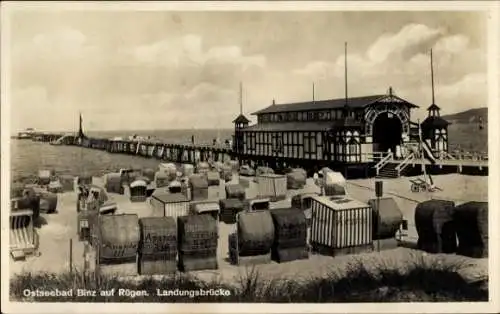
[147, 70]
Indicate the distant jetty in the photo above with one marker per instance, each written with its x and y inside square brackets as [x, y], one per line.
[26, 134]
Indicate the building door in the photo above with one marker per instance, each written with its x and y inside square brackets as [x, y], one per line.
[387, 132]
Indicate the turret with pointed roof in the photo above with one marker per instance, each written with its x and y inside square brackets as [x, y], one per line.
[434, 118]
[240, 123]
[241, 119]
[435, 128]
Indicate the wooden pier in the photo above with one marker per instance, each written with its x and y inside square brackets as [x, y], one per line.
[180, 153]
[188, 153]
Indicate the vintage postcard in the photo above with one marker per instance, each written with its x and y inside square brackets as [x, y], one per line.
[242, 157]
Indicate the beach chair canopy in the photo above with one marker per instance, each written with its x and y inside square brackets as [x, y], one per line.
[206, 207]
[169, 166]
[138, 183]
[330, 177]
[95, 192]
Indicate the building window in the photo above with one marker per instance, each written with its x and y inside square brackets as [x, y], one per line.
[310, 145]
[249, 141]
[306, 145]
[353, 150]
[245, 141]
[355, 135]
[277, 141]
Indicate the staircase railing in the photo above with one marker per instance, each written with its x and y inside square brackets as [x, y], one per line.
[404, 163]
[383, 162]
[450, 156]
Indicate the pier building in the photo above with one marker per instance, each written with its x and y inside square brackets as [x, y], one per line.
[334, 132]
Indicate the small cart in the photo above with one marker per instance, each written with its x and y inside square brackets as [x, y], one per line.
[419, 185]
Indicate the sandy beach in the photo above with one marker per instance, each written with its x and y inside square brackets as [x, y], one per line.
[55, 235]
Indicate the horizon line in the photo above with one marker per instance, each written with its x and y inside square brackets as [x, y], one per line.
[124, 130]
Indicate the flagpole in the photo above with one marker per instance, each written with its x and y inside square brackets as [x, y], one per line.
[80, 139]
[345, 73]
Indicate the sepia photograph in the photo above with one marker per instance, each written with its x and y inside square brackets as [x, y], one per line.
[249, 156]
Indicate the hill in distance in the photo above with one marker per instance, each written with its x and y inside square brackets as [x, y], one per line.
[468, 116]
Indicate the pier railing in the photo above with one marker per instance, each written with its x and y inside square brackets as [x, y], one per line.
[466, 156]
[373, 156]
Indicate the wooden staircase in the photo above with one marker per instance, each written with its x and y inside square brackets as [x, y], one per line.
[388, 168]
[389, 171]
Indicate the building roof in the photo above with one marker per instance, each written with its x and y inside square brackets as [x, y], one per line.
[355, 102]
[301, 126]
[435, 122]
[241, 119]
[433, 107]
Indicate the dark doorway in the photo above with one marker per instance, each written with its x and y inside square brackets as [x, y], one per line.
[387, 129]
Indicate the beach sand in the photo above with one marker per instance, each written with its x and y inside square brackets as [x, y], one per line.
[55, 235]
